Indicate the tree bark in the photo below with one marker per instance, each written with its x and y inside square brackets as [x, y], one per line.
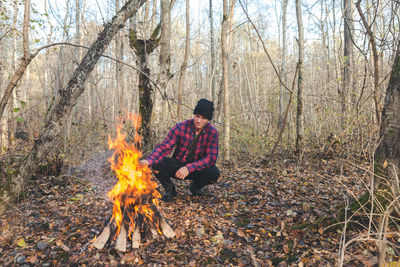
[224, 47]
[10, 117]
[43, 145]
[165, 49]
[119, 78]
[283, 58]
[300, 84]
[185, 61]
[348, 56]
[212, 51]
[165, 57]
[388, 149]
[143, 48]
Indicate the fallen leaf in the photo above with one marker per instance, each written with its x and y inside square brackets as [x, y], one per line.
[32, 259]
[21, 243]
[62, 245]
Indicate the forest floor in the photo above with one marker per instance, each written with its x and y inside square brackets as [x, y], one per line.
[246, 219]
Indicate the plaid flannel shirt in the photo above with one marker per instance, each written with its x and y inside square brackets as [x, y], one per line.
[181, 135]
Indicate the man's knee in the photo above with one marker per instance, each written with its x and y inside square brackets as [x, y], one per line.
[216, 173]
[212, 173]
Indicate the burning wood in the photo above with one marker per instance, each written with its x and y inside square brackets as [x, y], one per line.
[135, 197]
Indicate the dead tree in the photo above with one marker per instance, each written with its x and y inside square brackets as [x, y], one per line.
[44, 144]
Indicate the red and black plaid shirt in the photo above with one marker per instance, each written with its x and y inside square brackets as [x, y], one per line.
[181, 135]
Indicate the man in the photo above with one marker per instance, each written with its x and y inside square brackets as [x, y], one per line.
[196, 151]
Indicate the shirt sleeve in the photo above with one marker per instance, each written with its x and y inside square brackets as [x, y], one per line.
[210, 157]
[165, 147]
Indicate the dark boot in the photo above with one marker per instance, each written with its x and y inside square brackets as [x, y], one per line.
[195, 190]
[170, 193]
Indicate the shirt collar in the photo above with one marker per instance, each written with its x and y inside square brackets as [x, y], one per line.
[192, 126]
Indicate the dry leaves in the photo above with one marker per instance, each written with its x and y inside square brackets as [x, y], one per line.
[246, 219]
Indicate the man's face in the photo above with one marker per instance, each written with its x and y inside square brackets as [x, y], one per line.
[199, 122]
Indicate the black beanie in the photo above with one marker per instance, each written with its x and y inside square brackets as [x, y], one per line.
[205, 108]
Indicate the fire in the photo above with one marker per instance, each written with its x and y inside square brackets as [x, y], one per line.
[135, 191]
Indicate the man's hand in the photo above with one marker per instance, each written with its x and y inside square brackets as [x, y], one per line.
[144, 162]
[182, 173]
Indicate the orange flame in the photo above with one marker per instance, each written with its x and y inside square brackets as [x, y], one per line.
[135, 188]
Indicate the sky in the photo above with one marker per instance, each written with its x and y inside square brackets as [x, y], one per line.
[102, 10]
[265, 13]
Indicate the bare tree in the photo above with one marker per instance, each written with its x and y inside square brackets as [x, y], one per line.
[283, 59]
[165, 49]
[212, 53]
[11, 188]
[348, 61]
[119, 77]
[11, 121]
[225, 80]
[185, 60]
[375, 58]
[165, 57]
[300, 85]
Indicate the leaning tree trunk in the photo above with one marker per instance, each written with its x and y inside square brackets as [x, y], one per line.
[11, 188]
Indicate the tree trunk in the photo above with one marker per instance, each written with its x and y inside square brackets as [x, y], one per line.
[185, 61]
[143, 48]
[283, 58]
[300, 84]
[10, 117]
[24, 63]
[224, 34]
[387, 155]
[119, 78]
[165, 49]
[375, 58]
[11, 188]
[154, 14]
[348, 56]
[212, 51]
[165, 58]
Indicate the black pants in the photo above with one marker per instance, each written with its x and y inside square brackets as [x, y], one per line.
[169, 166]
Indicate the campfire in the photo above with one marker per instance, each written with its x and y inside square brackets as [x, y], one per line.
[135, 197]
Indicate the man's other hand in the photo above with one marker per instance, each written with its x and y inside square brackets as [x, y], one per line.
[182, 173]
[144, 162]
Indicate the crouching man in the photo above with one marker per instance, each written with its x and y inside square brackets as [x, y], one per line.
[196, 151]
